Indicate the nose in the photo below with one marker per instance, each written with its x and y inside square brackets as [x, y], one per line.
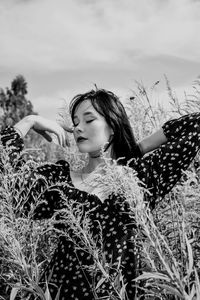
[78, 128]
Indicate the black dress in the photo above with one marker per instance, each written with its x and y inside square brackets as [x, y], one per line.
[111, 225]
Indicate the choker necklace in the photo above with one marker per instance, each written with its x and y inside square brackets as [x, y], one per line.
[95, 156]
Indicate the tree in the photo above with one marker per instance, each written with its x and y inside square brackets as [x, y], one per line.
[13, 107]
[13, 103]
[19, 86]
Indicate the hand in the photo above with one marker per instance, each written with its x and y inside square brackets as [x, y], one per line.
[46, 127]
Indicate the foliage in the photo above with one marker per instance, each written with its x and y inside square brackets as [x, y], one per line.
[13, 103]
[169, 237]
[14, 106]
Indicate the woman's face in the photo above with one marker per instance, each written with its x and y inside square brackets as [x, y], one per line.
[91, 132]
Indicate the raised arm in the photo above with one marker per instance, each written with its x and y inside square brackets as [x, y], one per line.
[162, 168]
[152, 142]
[44, 127]
[42, 182]
[12, 137]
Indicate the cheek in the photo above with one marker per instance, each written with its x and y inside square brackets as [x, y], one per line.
[94, 130]
[103, 134]
[99, 132]
[108, 132]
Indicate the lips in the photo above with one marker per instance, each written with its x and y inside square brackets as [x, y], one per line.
[81, 139]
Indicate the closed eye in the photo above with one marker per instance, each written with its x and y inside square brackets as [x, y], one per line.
[88, 121]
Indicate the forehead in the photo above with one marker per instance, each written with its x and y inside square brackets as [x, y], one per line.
[84, 107]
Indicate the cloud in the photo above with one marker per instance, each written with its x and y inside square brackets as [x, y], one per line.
[64, 47]
[48, 35]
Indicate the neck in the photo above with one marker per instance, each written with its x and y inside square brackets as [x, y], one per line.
[95, 159]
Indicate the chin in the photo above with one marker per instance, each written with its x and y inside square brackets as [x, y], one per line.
[83, 149]
[89, 150]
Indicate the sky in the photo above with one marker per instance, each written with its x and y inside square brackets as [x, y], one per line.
[64, 47]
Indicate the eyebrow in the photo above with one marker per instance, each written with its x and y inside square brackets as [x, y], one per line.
[87, 113]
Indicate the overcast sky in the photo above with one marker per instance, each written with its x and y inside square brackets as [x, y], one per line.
[63, 47]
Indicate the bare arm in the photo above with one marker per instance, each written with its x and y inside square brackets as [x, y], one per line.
[44, 127]
[176, 147]
[152, 142]
[24, 125]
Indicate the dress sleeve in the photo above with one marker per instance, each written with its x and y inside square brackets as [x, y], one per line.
[48, 183]
[161, 169]
[11, 140]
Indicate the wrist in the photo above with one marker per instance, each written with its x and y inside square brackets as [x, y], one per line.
[30, 119]
[23, 126]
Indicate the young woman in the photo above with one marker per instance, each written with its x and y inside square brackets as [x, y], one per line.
[100, 122]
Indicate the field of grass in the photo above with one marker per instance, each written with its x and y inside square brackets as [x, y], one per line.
[169, 237]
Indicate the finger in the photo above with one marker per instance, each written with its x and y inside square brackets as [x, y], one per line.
[67, 128]
[67, 143]
[62, 137]
[65, 139]
[59, 136]
[55, 138]
[70, 129]
[59, 132]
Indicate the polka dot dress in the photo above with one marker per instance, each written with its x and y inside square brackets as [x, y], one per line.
[73, 271]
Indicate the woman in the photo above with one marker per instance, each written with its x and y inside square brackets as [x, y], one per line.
[100, 122]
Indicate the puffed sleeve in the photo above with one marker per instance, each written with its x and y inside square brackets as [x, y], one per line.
[47, 186]
[161, 169]
[11, 140]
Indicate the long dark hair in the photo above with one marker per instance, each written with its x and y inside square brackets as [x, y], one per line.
[109, 106]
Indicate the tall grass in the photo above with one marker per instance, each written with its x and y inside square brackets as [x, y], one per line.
[169, 236]
[25, 245]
